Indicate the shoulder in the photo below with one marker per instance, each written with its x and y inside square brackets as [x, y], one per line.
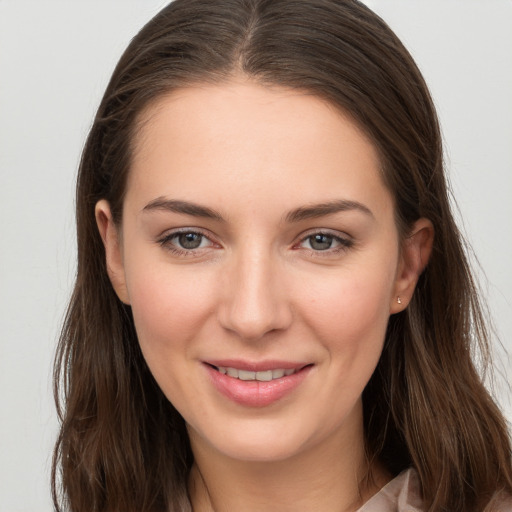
[402, 494]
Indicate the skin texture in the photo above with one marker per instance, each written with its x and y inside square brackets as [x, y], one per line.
[257, 288]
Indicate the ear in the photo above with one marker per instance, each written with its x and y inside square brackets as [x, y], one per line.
[114, 257]
[415, 253]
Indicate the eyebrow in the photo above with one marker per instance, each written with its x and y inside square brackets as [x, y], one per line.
[296, 215]
[322, 209]
[185, 207]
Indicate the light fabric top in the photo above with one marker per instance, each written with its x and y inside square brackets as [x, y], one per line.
[402, 494]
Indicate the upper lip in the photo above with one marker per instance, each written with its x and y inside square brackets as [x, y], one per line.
[256, 366]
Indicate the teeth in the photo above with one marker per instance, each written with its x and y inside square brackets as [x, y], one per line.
[246, 375]
[232, 372]
[263, 376]
[277, 374]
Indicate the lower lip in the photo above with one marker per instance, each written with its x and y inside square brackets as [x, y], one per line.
[254, 393]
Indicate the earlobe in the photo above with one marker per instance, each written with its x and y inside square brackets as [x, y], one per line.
[415, 254]
[111, 240]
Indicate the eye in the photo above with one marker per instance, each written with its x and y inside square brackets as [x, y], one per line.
[185, 242]
[319, 242]
[190, 240]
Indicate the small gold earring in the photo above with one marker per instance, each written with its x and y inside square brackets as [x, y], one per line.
[399, 300]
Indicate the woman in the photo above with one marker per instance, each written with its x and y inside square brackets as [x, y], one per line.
[273, 309]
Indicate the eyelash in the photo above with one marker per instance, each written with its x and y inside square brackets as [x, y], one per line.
[344, 243]
[166, 242]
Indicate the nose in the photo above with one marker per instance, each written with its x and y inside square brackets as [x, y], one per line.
[255, 300]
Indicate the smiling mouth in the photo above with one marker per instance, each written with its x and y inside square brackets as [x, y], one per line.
[256, 384]
[262, 376]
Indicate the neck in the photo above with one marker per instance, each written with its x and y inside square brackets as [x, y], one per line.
[329, 477]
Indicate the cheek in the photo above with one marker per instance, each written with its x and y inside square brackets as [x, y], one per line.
[349, 313]
[169, 308]
[351, 305]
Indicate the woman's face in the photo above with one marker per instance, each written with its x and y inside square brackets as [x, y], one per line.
[259, 253]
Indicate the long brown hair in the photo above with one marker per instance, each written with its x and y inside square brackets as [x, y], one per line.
[122, 445]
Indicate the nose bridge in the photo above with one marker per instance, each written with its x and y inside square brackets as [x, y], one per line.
[255, 301]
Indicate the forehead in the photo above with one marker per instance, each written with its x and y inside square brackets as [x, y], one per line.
[246, 138]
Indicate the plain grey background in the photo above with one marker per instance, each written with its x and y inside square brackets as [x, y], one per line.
[55, 60]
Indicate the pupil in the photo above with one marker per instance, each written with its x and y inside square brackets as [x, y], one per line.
[321, 242]
[190, 240]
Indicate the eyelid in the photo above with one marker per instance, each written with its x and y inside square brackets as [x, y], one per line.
[165, 240]
[344, 239]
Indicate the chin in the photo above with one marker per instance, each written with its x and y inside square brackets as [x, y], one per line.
[254, 451]
[254, 442]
